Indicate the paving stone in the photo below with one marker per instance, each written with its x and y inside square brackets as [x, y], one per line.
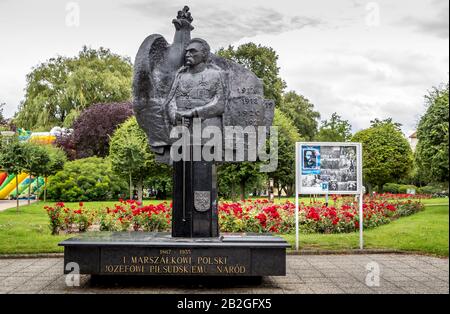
[349, 284]
[297, 289]
[266, 291]
[305, 274]
[13, 281]
[6, 289]
[316, 280]
[325, 288]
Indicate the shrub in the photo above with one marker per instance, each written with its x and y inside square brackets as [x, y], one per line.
[403, 188]
[391, 188]
[434, 189]
[395, 188]
[89, 179]
[55, 217]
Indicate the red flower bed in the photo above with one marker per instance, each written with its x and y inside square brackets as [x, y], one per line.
[245, 216]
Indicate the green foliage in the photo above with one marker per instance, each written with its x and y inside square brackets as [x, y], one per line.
[130, 155]
[387, 156]
[395, 188]
[13, 157]
[432, 148]
[334, 130]
[434, 189]
[37, 158]
[284, 176]
[86, 179]
[262, 61]
[241, 178]
[302, 114]
[62, 87]
[2, 118]
[57, 160]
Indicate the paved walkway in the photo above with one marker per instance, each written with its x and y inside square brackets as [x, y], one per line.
[305, 274]
[5, 204]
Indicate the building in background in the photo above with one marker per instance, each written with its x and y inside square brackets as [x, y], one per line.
[412, 139]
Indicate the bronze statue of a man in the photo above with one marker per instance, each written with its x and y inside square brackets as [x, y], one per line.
[198, 90]
[181, 84]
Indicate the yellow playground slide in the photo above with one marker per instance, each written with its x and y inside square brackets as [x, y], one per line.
[12, 185]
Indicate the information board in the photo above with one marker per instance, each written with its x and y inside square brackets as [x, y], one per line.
[329, 168]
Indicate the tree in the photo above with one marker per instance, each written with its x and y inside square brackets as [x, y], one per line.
[57, 159]
[62, 87]
[13, 160]
[37, 158]
[131, 156]
[94, 127]
[262, 61]
[242, 175]
[387, 156]
[334, 130]
[2, 118]
[66, 142]
[284, 176]
[431, 154]
[301, 112]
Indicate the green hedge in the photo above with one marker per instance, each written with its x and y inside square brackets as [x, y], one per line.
[398, 188]
[88, 179]
[439, 189]
[432, 189]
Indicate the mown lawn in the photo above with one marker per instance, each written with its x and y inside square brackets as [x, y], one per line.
[426, 231]
[28, 231]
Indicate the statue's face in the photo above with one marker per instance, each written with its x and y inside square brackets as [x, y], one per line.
[194, 54]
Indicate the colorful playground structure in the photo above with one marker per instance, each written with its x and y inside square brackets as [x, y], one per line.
[26, 184]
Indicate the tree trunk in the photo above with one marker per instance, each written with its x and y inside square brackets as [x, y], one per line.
[45, 189]
[37, 188]
[242, 187]
[131, 188]
[233, 193]
[290, 190]
[140, 188]
[29, 189]
[17, 192]
[369, 188]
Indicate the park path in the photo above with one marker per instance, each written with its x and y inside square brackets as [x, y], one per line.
[398, 273]
[6, 204]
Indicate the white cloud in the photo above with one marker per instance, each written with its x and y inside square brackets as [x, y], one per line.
[326, 50]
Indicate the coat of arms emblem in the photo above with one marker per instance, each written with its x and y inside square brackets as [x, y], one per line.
[202, 200]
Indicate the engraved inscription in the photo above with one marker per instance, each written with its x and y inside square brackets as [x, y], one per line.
[177, 262]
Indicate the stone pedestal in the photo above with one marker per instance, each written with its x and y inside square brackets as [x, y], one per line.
[160, 254]
[194, 208]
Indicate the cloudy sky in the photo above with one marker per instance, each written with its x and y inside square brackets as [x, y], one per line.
[362, 59]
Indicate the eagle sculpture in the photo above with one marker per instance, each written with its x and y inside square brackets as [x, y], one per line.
[155, 68]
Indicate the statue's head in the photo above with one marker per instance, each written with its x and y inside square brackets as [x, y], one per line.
[197, 51]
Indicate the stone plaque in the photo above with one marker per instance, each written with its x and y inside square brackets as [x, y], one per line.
[175, 261]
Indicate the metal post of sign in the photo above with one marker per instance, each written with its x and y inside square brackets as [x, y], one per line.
[361, 200]
[361, 222]
[296, 195]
